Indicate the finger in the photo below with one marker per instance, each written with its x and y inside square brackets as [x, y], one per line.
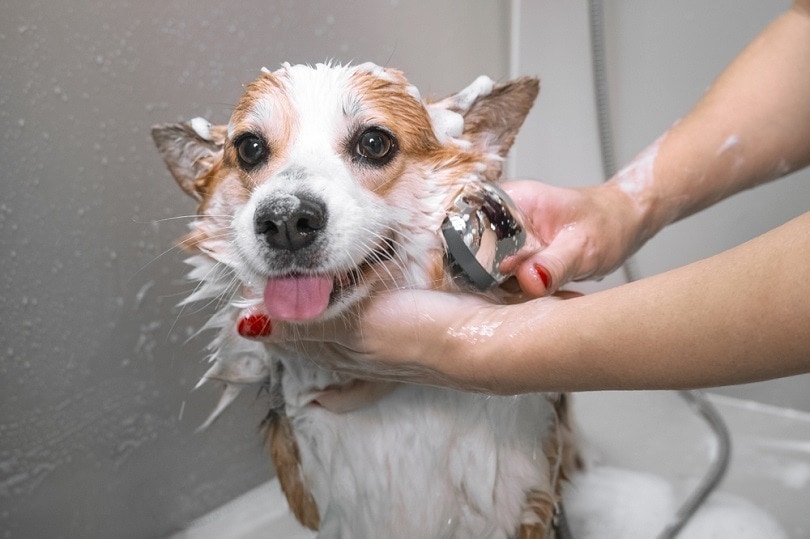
[334, 330]
[545, 271]
[542, 274]
[254, 323]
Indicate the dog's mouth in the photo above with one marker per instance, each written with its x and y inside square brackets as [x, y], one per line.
[301, 297]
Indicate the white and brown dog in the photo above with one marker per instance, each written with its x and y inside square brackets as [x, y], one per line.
[328, 183]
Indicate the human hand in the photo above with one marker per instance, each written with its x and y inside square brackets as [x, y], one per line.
[416, 336]
[575, 234]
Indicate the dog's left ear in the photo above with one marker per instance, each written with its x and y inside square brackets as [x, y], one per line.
[497, 116]
[190, 150]
[492, 113]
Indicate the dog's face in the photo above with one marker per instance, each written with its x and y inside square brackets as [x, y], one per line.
[331, 180]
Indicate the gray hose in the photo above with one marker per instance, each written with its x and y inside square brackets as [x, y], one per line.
[563, 530]
[696, 399]
[719, 465]
[600, 83]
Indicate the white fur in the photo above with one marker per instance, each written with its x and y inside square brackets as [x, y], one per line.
[202, 127]
[453, 464]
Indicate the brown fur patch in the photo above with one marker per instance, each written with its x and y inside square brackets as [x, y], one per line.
[387, 103]
[543, 506]
[285, 455]
[571, 460]
[275, 124]
[384, 101]
[563, 460]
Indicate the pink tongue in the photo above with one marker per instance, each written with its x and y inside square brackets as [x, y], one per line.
[297, 298]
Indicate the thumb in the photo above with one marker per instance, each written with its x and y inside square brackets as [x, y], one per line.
[543, 272]
[539, 275]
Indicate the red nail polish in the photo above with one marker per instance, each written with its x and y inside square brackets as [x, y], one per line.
[543, 274]
[254, 326]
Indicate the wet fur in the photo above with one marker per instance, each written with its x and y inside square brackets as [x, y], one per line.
[396, 459]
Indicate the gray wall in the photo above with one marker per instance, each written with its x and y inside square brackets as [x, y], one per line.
[97, 416]
[661, 57]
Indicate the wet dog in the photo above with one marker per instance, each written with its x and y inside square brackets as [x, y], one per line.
[328, 184]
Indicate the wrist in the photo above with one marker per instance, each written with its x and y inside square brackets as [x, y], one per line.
[630, 219]
[498, 349]
[467, 342]
[645, 208]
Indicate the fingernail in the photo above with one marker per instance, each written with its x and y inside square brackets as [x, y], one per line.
[254, 326]
[543, 274]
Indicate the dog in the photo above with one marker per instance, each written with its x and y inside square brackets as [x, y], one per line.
[330, 182]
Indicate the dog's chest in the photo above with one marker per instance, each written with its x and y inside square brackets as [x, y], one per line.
[423, 461]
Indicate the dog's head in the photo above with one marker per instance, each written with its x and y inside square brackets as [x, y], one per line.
[331, 180]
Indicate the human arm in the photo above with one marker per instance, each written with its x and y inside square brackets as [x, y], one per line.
[751, 126]
[740, 316]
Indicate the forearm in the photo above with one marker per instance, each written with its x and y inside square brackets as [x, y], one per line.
[752, 126]
[740, 316]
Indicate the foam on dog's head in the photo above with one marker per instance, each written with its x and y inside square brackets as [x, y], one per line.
[202, 127]
[447, 115]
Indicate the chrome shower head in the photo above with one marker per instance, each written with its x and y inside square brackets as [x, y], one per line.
[481, 229]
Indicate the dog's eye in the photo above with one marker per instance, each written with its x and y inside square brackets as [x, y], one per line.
[375, 146]
[251, 150]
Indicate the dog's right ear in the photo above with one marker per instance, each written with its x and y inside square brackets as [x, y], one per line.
[191, 150]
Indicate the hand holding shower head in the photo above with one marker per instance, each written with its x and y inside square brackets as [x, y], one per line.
[481, 229]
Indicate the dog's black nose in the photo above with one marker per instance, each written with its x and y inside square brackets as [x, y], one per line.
[290, 222]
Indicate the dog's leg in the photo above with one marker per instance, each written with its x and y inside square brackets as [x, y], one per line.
[564, 460]
[565, 438]
[284, 451]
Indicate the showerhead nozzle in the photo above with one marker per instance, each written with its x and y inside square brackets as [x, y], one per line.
[481, 229]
